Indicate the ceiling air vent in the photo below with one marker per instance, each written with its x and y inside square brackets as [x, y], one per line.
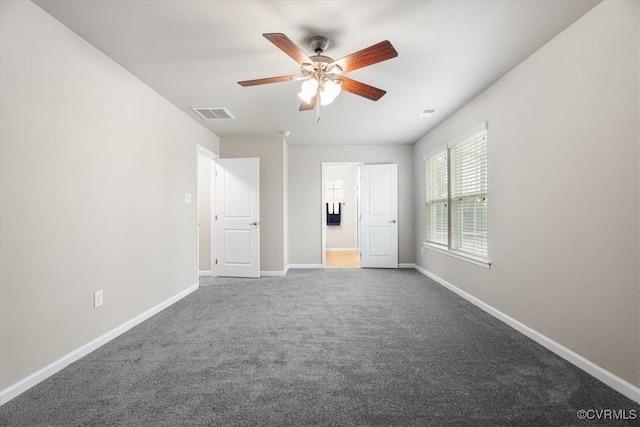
[427, 112]
[214, 113]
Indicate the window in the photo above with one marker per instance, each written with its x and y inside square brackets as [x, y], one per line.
[456, 195]
[333, 190]
[437, 190]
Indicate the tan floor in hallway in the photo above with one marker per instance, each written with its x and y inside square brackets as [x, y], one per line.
[343, 259]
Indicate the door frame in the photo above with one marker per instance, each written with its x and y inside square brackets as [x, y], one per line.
[220, 208]
[323, 217]
[390, 221]
[204, 152]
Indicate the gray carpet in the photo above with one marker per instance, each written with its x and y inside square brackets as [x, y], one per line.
[318, 347]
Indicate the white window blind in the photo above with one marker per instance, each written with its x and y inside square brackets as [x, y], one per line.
[468, 171]
[436, 211]
[456, 195]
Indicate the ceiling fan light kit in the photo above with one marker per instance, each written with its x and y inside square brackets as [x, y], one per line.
[323, 77]
[327, 89]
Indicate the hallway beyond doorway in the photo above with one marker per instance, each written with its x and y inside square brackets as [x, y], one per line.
[343, 259]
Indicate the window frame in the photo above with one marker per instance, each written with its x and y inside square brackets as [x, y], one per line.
[447, 248]
[428, 199]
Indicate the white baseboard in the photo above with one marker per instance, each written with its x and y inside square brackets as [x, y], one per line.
[204, 273]
[26, 383]
[304, 266]
[610, 379]
[406, 265]
[273, 273]
[343, 249]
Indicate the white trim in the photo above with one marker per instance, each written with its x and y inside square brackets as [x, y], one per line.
[25, 384]
[457, 140]
[212, 216]
[292, 266]
[272, 273]
[323, 218]
[435, 152]
[618, 384]
[406, 265]
[204, 273]
[207, 153]
[323, 222]
[343, 249]
[459, 255]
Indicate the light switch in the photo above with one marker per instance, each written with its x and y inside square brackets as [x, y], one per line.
[98, 299]
[188, 197]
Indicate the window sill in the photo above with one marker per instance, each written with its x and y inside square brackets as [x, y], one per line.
[464, 257]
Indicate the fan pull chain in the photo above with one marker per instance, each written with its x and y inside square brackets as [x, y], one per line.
[318, 105]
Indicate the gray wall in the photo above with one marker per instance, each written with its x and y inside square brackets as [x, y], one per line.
[305, 197]
[94, 170]
[564, 190]
[270, 150]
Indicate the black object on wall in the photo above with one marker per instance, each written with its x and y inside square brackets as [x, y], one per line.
[333, 214]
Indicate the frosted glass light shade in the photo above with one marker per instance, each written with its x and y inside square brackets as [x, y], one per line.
[330, 90]
[308, 90]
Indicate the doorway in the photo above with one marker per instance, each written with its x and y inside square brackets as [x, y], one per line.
[379, 216]
[340, 215]
[368, 196]
[237, 218]
[205, 200]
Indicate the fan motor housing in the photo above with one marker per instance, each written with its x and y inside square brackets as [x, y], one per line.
[318, 44]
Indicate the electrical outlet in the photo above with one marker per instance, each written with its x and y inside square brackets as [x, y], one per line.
[97, 299]
[421, 250]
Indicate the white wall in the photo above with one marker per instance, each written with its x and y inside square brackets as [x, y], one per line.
[270, 150]
[94, 170]
[305, 197]
[564, 191]
[344, 236]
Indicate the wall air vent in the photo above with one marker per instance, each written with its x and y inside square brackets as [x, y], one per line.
[214, 113]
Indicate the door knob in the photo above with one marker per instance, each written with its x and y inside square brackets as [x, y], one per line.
[254, 223]
[393, 221]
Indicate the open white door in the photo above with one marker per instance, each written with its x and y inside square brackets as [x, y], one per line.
[379, 216]
[237, 218]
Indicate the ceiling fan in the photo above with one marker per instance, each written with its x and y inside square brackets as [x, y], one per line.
[323, 78]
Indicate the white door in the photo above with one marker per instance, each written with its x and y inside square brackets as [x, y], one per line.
[379, 220]
[237, 217]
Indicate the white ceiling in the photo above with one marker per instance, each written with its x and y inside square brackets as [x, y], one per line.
[194, 52]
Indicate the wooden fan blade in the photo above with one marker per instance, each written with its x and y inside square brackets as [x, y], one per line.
[266, 80]
[361, 89]
[285, 44]
[368, 56]
[306, 107]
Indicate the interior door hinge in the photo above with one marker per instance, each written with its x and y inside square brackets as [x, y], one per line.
[216, 217]
[216, 262]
